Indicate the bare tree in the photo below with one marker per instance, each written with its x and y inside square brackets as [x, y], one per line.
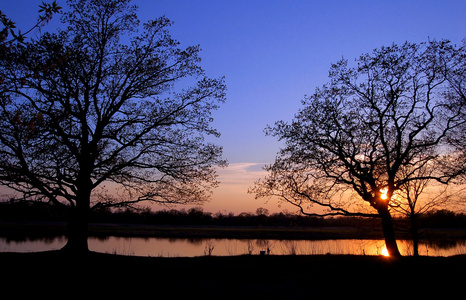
[107, 102]
[457, 95]
[417, 197]
[355, 135]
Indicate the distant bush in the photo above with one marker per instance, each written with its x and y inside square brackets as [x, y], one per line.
[32, 211]
[443, 219]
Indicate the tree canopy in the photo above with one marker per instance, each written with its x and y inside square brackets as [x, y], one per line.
[371, 129]
[107, 101]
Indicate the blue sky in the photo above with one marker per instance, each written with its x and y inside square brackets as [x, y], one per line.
[272, 53]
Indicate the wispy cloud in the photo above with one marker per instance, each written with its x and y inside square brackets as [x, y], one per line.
[241, 174]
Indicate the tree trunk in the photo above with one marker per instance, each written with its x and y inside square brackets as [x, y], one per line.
[78, 224]
[77, 232]
[414, 234]
[389, 233]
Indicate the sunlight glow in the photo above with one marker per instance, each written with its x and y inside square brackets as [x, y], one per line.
[384, 191]
[385, 252]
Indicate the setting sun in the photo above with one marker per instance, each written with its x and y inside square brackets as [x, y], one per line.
[383, 196]
[385, 252]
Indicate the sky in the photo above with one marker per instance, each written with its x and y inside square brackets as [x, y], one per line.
[272, 53]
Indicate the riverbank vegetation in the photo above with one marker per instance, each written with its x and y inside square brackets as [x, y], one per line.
[34, 219]
[38, 211]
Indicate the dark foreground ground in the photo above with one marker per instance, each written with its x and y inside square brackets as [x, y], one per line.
[104, 276]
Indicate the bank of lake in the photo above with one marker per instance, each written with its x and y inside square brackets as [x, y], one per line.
[33, 229]
[54, 275]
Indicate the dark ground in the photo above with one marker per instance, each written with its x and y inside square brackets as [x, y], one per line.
[104, 276]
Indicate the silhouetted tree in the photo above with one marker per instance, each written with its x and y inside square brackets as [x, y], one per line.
[101, 103]
[262, 211]
[457, 94]
[417, 197]
[357, 133]
[10, 35]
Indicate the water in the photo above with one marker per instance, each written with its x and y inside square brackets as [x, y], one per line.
[166, 247]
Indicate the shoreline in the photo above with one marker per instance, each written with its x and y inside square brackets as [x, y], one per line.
[18, 230]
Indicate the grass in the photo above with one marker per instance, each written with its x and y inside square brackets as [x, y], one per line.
[95, 275]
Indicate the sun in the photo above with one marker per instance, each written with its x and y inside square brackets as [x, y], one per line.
[384, 192]
[385, 252]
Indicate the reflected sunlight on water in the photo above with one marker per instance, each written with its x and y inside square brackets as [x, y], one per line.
[166, 247]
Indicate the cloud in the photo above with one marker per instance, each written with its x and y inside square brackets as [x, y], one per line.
[240, 174]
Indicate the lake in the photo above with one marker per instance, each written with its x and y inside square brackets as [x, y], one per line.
[183, 247]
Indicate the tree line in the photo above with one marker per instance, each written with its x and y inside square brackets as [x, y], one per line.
[19, 211]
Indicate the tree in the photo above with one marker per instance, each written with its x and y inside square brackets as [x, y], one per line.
[102, 104]
[10, 36]
[46, 12]
[457, 137]
[347, 148]
[412, 200]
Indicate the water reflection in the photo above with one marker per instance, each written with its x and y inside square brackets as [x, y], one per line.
[170, 247]
[31, 244]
